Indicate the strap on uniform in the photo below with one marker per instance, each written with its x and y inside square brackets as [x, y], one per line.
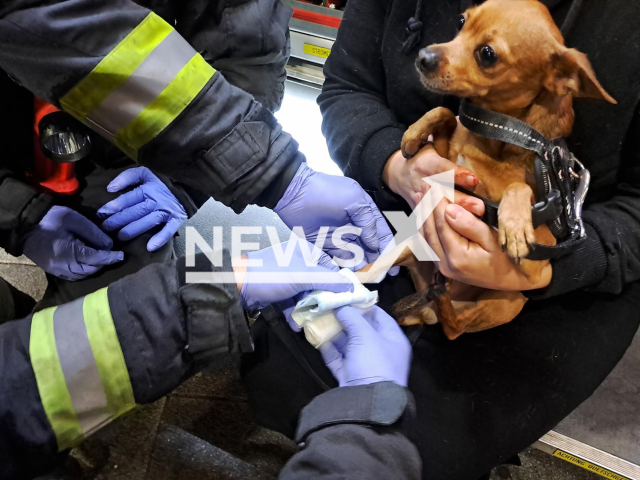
[376, 404]
[79, 367]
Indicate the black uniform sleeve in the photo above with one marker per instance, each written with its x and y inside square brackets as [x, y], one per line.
[224, 143]
[361, 130]
[167, 328]
[610, 257]
[355, 432]
[21, 207]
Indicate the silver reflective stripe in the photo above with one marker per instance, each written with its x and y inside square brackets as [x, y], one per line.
[79, 367]
[143, 86]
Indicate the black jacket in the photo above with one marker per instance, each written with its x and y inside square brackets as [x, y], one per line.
[372, 93]
[225, 143]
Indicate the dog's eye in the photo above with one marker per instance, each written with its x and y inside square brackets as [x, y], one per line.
[486, 56]
[461, 22]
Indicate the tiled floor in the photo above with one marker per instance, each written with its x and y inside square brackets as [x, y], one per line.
[22, 274]
[202, 430]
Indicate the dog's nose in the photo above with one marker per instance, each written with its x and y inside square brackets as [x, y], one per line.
[428, 60]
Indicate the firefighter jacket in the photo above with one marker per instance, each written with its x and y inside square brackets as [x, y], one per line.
[187, 91]
[67, 371]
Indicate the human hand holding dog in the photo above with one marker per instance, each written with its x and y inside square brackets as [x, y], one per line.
[469, 252]
[405, 177]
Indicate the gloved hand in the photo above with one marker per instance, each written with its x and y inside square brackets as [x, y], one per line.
[371, 349]
[68, 245]
[141, 209]
[276, 279]
[314, 200]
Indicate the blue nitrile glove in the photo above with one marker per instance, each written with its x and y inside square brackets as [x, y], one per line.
[315, 200]
[277, 280]
[143, 208]
[372, 349]
[68, 245]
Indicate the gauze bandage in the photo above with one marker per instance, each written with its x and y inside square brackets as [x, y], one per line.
[314, 313]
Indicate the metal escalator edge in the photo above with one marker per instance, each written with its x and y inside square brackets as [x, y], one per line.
[587, 457]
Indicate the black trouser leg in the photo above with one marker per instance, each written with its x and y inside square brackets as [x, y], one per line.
[13, 303]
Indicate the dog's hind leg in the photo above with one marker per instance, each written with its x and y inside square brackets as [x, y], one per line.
[439, 122]
[493, 308]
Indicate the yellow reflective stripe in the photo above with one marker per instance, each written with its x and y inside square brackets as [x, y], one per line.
[107, 353]
[170, 103]
[116, 67]
[50, 379]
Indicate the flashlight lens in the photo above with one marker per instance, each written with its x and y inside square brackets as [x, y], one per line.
[62, 138]
[64, 143]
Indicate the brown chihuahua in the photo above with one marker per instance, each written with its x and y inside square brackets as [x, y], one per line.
[508, 57]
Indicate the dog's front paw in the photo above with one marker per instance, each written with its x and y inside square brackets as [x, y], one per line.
[516, 235]
[515, 224]
[412, 141]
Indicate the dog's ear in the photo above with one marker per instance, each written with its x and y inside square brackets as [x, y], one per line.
[570, 72]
